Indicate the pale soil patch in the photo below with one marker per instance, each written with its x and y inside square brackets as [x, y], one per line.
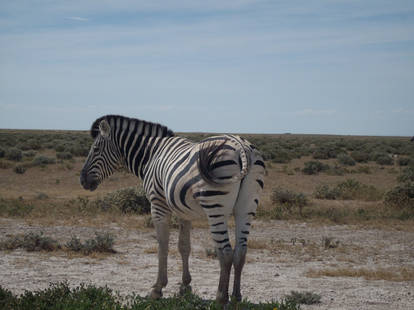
[281, 256]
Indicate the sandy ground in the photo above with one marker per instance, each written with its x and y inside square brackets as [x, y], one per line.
[280, 256]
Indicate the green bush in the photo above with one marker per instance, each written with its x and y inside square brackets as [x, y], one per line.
[2, 152]
[326, 152]
[404, 161]
[401, 196]
[15, 207]
[345, 159]
[30, 242]
[42, 160]
[289, 199]
[88, 297]
[407, 175]
[348, 190]
[19, 169]
[103, 243]
[305, 298]
[128, 200]
[314, 167]
[385, 160]
[29, 154]
[325, 192]
[360, 156]
[14, 154]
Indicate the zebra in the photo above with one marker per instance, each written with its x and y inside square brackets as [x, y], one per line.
[214, 178]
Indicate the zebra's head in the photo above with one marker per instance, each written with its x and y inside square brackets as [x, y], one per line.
[104, 157]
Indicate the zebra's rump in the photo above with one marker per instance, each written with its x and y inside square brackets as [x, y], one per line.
[207, 176]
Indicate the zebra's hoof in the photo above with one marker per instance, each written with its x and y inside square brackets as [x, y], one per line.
[237, 297]
[155, 294]
[185, 289]
[222, 298]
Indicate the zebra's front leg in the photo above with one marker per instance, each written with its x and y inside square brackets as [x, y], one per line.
[184, 247]
[163, 234]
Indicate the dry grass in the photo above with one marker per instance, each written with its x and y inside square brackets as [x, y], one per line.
[259, 244]
[397, 274]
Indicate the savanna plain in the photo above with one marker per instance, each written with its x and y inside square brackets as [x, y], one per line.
[334, 229]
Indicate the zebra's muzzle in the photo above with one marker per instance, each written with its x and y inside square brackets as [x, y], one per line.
[88, 181]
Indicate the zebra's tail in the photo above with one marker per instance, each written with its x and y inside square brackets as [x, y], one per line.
[208, 153]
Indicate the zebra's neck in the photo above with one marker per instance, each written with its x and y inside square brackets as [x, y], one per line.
[137, 140]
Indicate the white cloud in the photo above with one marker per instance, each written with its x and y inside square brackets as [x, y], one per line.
[77, 18]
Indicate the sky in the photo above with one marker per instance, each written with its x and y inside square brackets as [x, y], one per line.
[240, 66]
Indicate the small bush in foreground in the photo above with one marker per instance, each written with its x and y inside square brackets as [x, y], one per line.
[89, 297]
[305, 298]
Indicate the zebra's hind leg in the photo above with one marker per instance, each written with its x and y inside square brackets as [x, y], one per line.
[225, 256]
[163, 234]
[219, 232]
[184, 247]
[244, 211]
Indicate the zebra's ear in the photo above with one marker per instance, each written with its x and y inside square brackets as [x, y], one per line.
[104, 128]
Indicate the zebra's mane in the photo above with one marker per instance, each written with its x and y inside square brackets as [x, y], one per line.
[125, 122]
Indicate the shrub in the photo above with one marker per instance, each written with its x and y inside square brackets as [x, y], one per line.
[102, 243]
[62, 296]
[314, 167]
[305, 298]
[384, 160]
[407, 175]
[4, 164]
[64, 155]
[15, 207]
[30, 242]
[401, 196]
[42, 160]
[404, 161]
[128, 200]
[2, 152]
[19, 169]
[348, 190]
[325, 192]
[14, 154]
[360, 156]
[325, 152]
[30, 153]
[289, 199]
[346, 160]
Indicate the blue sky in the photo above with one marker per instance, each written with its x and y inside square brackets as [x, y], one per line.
[328, 67]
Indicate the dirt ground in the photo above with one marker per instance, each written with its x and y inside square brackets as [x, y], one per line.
[280, 256]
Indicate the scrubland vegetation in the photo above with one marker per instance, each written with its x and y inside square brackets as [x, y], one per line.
[323, 180]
